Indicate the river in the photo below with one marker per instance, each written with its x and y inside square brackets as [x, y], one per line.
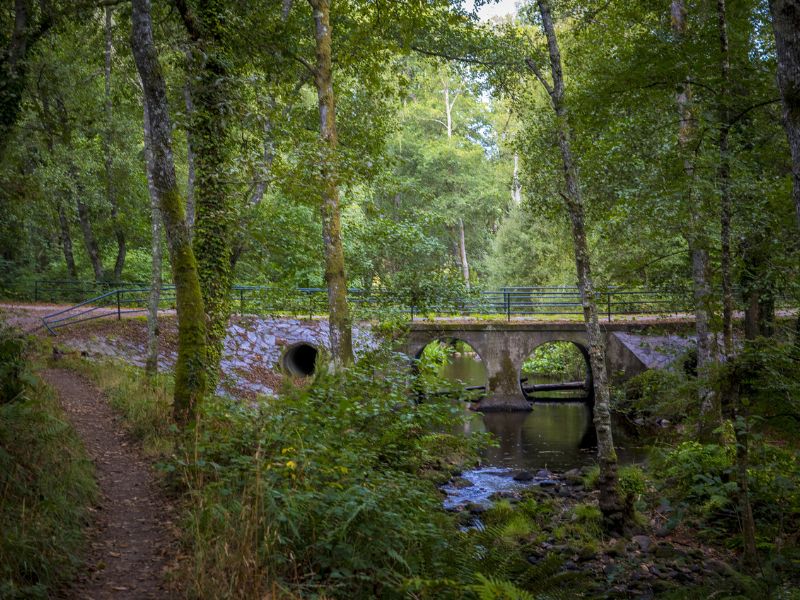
[554, 435]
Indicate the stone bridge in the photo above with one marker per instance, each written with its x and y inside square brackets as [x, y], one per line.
[503, 347]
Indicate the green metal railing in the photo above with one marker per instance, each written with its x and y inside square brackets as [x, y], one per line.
[310, 302]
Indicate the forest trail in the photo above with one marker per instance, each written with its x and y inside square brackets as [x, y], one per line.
[131, 537]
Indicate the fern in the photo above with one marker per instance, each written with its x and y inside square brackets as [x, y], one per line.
[492, 588]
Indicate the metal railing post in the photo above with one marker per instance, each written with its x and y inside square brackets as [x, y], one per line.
[508, 305]
[608, 298]
[241, 301]
[119, 307]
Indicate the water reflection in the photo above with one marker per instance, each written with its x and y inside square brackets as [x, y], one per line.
[466, 368]
[554, 435]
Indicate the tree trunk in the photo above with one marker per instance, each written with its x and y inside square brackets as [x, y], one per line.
[212, 235]
[710, 415]
[190, 373]
[190, 176]
[111, 192]
[749, 552]
[13, 69]
[151, 364]
[66, 241]
[88, 237]
[742, 434]
[723, 175]
[462, 249]
[448, 105]
[786, 25]
[615, 512]
[341, 333]
[516, 186]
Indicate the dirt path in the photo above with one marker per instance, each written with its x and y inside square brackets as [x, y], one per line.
[131, 537]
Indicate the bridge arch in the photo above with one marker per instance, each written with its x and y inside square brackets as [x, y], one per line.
[465, 361]
[569, 356]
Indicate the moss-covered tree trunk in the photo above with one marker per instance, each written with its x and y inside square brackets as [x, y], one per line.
[187, 99]
[341, 333]
[215, 214]
[190, 368]
[613, 507]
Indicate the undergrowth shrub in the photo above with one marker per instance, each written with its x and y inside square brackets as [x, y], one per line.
[319, 492]
[701, 479]
[46, 484]
[14, 377]
[656, 394]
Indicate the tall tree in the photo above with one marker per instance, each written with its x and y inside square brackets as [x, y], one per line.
[696, 236]
[65, 237]
[341, 331]
[26, 30]
[190, 368]
[786, 25]
[112, 197]
[724, 177]
[214, 218]
[151, 362]
[89, 240]
[611, 504]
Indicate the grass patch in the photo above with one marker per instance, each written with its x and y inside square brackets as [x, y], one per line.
[46, 484]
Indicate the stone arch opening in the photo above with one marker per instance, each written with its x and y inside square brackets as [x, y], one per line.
[453, 359]
[300, 359]
[557, 371]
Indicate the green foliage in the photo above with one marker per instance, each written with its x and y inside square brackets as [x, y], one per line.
[321, 489]
[498, 561]
[46, 485]
[632, 481]
[14, 376]
[701, 479]
[556, 359]
[491, 588]
[657, 394]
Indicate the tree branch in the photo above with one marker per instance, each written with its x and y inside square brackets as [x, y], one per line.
[463, 59]
[538, 73]
[189, 20]
[753, 107]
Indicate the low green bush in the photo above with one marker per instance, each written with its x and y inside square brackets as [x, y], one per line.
[319, 491]
[657, 394]
[14, 376]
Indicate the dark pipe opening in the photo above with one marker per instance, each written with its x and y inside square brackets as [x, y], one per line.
[300, 360]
